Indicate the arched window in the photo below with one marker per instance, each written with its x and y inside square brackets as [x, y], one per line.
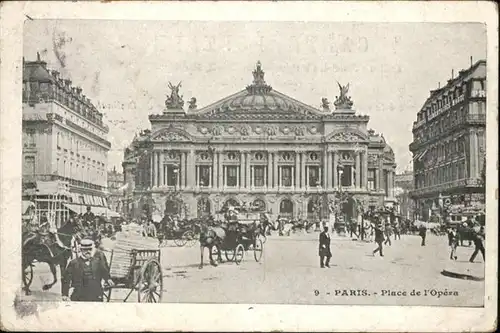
[259, 205]
[230, 203]
[286, 208]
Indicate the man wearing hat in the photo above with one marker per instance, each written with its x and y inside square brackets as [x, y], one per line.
[324, 248]
[88, 217]
[85, 274]
[379, 238]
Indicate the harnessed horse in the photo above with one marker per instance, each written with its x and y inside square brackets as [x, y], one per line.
[48, 247]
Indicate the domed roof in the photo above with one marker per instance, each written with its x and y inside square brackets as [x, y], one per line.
[259, 98]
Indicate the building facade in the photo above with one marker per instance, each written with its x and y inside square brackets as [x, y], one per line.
[403, 185]
[448, 147]
[116, 191]
[64, 145]
[261, 147]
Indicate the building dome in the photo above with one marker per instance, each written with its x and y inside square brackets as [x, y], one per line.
[258, 96]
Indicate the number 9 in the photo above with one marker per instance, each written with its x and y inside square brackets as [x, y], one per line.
[316, 292]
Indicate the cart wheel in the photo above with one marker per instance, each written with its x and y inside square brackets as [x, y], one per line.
[190, 238]
[230, 255]
[258, 249]
[180, 241]
[106, 294]
[238, 254]
[150, 287]
[28, 276]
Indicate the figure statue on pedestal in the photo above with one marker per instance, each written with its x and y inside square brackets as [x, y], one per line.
[174, 101]
[343, 101]
[192, 103]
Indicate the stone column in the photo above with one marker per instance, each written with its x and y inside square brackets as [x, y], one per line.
[335, 170]
[220, 180]
[155, 169]
[191, 169]
[303, 170]
[241, 170]
[325, 169]
[197, 181]
[377, 178]
[162, 169]
[329, 170]
[184, 169]
[252, 173]
[365, 170]
[293, 177]
[275, 170]
[307, 176]
[224, 180]
[296, 176]
[358, 170]
[248, 176]
[215, 171]
[151, 163]
[269, 179]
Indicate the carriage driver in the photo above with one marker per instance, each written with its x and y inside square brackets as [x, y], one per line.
[85, 274]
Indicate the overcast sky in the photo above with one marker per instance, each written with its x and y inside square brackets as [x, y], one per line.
[124, 66]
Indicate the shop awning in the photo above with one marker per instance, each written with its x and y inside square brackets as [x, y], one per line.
[97, 211]
[79, 209]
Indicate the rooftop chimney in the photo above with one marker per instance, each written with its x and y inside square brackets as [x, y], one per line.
[470, 61]
[439, 85]
[38, 56]
[452, 72]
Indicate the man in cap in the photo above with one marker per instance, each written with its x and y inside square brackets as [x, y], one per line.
[478, 244]
[85, 274]
[324, 248]
[379, 238]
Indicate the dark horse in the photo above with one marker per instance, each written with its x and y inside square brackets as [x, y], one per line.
[210, 237]
[53, 248]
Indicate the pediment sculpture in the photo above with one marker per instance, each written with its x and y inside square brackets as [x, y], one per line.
[325, 104]
[346, 137]
[192, 103]
[174, 101]
[171, 136]
[343, 101]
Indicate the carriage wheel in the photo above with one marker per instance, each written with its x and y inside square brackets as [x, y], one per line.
[238, 254]
[180, 241]
[258, 249]
[230, 255]
[28, 276]
[190, 238]
[150, 287]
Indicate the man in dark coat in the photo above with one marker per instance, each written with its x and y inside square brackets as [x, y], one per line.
[478, 244]
[379, 239]
[85, 274]
[324, 248]
[422, 231]
[88, 217]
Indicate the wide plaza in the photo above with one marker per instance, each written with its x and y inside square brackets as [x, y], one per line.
[289, 273]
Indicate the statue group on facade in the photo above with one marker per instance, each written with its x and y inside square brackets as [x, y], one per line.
[343, 101]
[174, 101]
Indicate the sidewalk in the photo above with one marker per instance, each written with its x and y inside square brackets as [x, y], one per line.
[464, 270]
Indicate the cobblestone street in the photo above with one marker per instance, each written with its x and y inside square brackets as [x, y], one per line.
[289, 272]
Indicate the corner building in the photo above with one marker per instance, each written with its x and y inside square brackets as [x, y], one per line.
[260, 147]
[449, 144]
[64, 145]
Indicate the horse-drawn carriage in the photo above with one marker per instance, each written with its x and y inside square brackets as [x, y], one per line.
[241, 237]
[182, 232]
[236, 236]
[135, 264]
